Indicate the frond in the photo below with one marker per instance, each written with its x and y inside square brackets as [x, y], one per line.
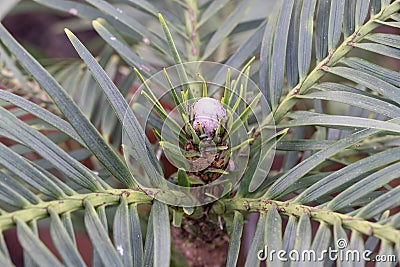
[326, 71]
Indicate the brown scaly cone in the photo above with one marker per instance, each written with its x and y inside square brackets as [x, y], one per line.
[208, 161]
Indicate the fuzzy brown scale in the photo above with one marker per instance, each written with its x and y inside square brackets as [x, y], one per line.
[208, 161]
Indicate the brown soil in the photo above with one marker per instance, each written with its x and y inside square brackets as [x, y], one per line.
[198, 252]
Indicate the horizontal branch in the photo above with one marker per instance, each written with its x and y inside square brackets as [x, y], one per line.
[72, 203]
[386, 232]
[138, 196]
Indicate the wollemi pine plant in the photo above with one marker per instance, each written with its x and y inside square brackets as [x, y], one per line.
[189, 120]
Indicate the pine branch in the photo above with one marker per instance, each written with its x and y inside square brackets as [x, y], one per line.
[386, 232]
[72, 203]
[333, 57]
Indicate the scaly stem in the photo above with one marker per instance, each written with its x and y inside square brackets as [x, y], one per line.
[386, 232]
[138, 196]
[191, 17]
[72, 203]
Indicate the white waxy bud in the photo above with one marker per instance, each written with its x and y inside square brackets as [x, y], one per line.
[207, 112]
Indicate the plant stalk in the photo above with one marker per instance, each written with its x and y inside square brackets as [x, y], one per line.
[385, 232]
